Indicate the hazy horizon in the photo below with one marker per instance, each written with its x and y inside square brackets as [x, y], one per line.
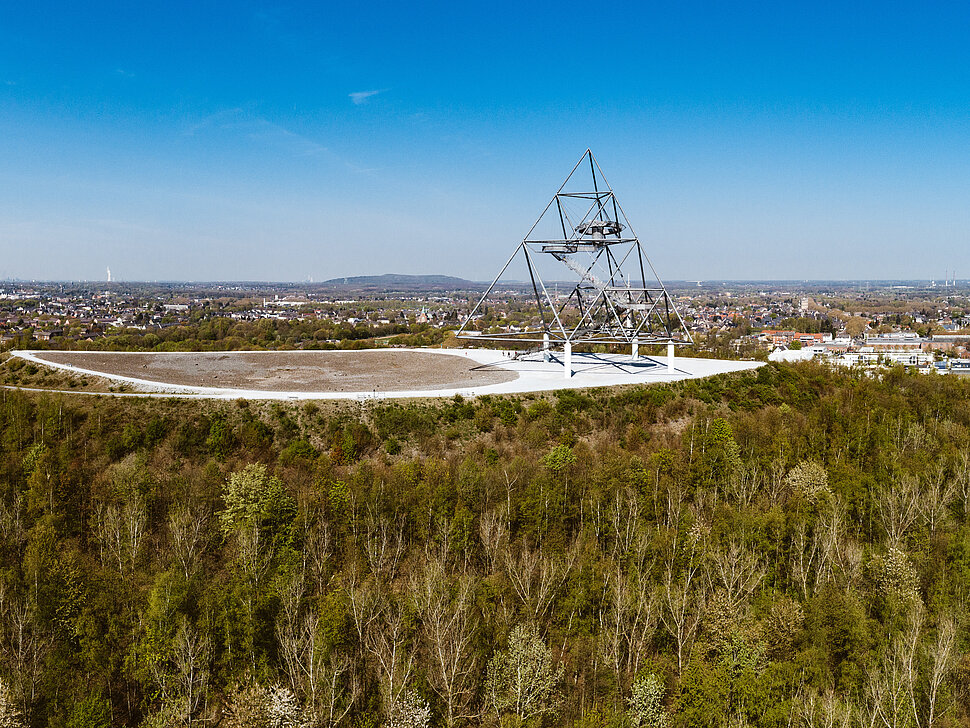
[504, 281]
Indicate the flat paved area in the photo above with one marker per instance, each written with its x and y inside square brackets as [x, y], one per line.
[372, 373]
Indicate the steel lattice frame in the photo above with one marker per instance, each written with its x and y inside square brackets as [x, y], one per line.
[613, 308]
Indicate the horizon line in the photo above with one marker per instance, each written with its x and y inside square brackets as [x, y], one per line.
[332, 281]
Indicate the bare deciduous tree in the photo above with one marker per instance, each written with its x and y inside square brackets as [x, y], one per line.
[737, 570]
[340, 689]
[384, 631]
[846, 553]
[328, 684]
[814, 554]
[889, 699]
[192, 654]
[962, 478]
[389, 640]
[24, 645]
[254, 555]
[492, 530]
[775, 480]
[629, 622]
[624, 514]
[363, 597]
[12, 528]
[537, 577]
[939, 656]
[120, 530]
[135, 516]
[317, 550]
[302, 661]
[189, 531]
[673, 504]
[747, 482]
[384, 545]
[848, 560]
[935, 501]
[448, 626]
[682, 598]
[897, 507]
[827, 710]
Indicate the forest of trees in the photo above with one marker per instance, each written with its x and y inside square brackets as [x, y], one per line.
[225, 334]
[783, 547]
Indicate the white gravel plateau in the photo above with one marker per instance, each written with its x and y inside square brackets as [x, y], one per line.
[534, 373]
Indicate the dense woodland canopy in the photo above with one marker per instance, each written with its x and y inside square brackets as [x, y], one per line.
[773, 548]
[225, 334]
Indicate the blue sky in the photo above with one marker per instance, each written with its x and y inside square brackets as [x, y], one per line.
[221, 141]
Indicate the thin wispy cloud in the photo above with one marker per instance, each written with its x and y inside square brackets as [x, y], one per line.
[361, 97]
[216, 119]
[124, 73]
[245, 124]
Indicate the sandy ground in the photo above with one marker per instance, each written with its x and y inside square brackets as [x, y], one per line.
[291, 371]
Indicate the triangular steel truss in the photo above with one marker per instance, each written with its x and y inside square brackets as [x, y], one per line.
[584, 228]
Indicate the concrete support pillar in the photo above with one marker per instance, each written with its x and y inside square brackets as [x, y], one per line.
[567, 351]
[670, 357]
[545, 347]
[635, 349]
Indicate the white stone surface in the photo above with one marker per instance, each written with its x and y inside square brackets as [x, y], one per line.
[534, 375]
[791, 355]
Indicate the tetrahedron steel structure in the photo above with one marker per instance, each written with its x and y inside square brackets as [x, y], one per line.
[616, 296]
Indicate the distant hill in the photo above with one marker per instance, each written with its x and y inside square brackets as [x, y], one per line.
[398, 281]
